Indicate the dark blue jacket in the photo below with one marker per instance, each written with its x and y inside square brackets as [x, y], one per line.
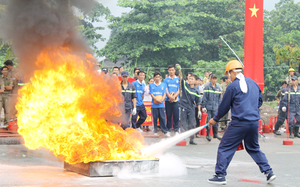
[212, 97]
[190, 97]
[244, 106]
[294, 99]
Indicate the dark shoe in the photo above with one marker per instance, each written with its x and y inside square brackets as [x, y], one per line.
[208, 138]
[270, 177]
[296, 132]
[193, 143]
[217, 180]
[291, 132]
[276, 133]
[215, 132]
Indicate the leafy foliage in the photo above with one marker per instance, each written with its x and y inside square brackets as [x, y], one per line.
[86, 26]
[158, 33]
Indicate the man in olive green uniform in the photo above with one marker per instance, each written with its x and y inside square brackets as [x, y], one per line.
[7, 83]
[224, 85]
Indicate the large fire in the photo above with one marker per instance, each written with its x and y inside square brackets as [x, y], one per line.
[68, 108]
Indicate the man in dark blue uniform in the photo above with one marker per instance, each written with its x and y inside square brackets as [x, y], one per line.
[212, 97]
[128, 92]
[294, 104]
[282, 115]
[244, 97]
[190, 96]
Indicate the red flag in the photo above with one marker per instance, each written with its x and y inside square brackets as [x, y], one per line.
[253, 57]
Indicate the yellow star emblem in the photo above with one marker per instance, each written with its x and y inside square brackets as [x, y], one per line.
[254, 10]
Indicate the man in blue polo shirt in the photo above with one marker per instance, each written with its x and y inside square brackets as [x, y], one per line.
[158, 94]
[140, 107]
[172, 100]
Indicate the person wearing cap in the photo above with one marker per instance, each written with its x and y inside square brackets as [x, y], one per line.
[291, 74]
[244, 98]
[210, 103]
[128, 92]
[189, 97]
[281, 115]
[291, 99]
[104, 70]
[140, 107]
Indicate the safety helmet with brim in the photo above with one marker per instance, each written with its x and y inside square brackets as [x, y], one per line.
[291, 69]
[232, 65]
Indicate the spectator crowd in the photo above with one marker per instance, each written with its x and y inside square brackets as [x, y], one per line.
[177, 101]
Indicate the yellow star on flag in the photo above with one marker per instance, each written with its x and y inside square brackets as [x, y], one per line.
[254, 10]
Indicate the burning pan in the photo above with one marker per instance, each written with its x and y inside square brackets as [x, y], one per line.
[107, 168]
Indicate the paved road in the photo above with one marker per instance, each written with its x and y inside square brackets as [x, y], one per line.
[22, 167]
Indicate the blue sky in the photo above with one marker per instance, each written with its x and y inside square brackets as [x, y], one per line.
[117, 11]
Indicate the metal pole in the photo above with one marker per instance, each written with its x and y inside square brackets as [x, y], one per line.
[232, 50]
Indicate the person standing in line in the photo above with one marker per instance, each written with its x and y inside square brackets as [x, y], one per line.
[172, 100]
[135, 72]
[116, 70]
[190, 97]
[8, 86]
[158, 94]
[224, 84]
[244, 98]
[197, 86]
[140, 107]
[291, 74]
[128, 92]
[206, 77]
[210, 103]
[147, 96]
[294, 104]
[281, 115]
[121, 69]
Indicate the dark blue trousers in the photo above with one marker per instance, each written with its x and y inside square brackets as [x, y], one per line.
[141, 112]
[280, 119]
[125, 124]
[211, 114]
[172, 110]
[159, 113]
[292, 117]
[236, 132]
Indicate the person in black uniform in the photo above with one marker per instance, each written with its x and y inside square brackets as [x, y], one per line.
[128, 92]
[294, 105]
[282, 115]
[188, 98]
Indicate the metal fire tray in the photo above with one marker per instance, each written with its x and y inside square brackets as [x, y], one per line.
[107, 168]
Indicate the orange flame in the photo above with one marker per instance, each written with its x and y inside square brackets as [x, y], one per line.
[67, 108]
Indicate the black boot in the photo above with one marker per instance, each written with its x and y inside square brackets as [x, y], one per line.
[276, 129]
[192, 140]
[296, 132]
[208, 133]
[215, 131]
[291, 132]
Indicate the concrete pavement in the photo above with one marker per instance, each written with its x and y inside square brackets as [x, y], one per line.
[22, 167]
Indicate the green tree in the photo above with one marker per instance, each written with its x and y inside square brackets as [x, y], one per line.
[281, 32]
[157, 32]
[86, 24]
